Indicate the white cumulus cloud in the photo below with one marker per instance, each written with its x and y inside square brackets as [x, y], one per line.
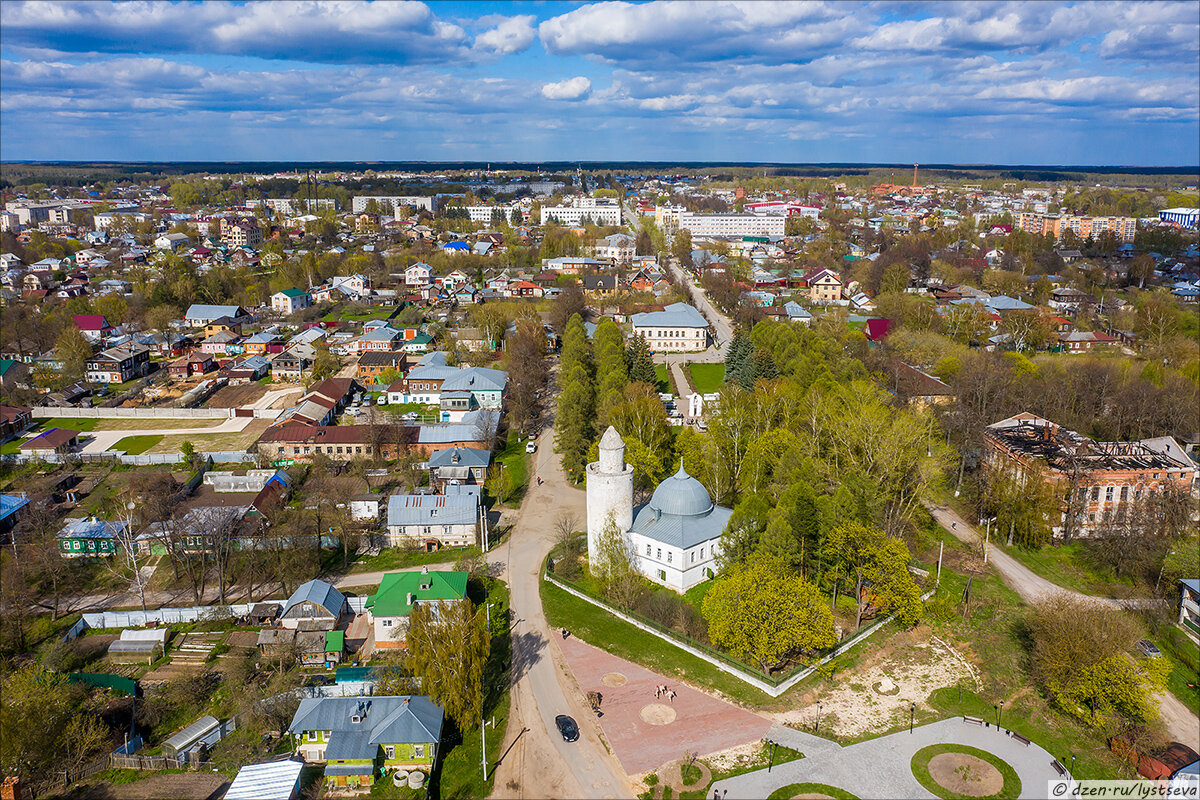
[511, 36]
[571, 89]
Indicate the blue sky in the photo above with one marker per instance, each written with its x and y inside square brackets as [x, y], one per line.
[962, 82]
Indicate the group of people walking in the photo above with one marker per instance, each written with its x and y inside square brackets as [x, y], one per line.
[662, 691]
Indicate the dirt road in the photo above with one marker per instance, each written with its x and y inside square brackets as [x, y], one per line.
[1181, 723]
[537, 762]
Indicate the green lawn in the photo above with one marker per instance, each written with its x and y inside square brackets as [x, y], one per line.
[516, 466]
[11, 448]
[68, 423]
[662, 380]
[707, 378]
[396, 558]
[136, 445]
[920, 770]
[1067, 566]
[618, 637]
[1185, 666]
[795, 789]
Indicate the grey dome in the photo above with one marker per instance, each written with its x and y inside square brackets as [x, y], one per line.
[681, 495]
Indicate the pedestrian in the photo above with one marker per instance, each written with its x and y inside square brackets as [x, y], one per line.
[953, 526]
[716, 794]
[724, 792]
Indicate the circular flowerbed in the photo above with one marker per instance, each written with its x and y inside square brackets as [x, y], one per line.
[885, 687]
[614, 679]
[955, 771]
[815, 791]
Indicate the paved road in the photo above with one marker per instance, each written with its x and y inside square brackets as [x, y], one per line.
[540, 763]
[721, 324]
[881, 767]
[1181, 723]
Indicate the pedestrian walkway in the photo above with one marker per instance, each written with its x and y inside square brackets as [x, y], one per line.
[646, 730]
[880, 768]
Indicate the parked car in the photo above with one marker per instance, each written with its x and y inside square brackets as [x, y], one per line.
[530, 446]
[1149, 649]
[567, 727]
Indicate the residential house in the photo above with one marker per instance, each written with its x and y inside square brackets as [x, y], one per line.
[187, 366]
[794, 312]
[200, 314]
[1189, 606]
[171, 241]
[263, 342]
[419, 274]
[600, 285]
[290, 301]
[13, 372]
[362, 738]
[89, 537]
[392, 604]
[224, 343]
[223, 325]
[454, 466]
[290, 365]
[314, 606]
[678, 327]
[119, 364]
[618, 248]
[824, 287]
[247, 370]
[1085, 341]
[383, 339]
[433, 521]
[1070, 301]
[14, 421]
[374, 363]
[94, 327]
[298, 441]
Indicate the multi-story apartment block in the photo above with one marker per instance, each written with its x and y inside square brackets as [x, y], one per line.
[1094, 480]
[732, 224]
[1124, 228]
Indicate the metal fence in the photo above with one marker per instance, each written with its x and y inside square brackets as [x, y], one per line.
[143, 460]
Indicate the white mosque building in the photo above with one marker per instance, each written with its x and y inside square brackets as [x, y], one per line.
[676, 537]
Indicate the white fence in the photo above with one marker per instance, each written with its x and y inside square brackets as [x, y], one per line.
[761, 685]
[142, 460]
[40, 412]
[167, 616]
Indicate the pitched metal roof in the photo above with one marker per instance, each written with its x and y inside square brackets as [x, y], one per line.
[320, 593]
[676, 315]
[276, 780]
[398, 591]
[461, 508]
[390, 719]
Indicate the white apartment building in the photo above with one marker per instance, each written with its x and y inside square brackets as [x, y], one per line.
[620, 247]
[484, 213]
[358, 204]
[571, 215]
[288, 205]
[732, 224]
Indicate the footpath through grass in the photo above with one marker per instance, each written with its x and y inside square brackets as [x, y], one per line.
[1067, 566]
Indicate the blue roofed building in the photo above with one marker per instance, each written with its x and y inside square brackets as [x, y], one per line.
[359, 739]
[315, 606]
[677, 328]
[202, 314]
[11, 508]
[433, 521]
[89, 537]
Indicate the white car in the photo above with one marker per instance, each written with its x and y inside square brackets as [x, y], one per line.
[530, 446]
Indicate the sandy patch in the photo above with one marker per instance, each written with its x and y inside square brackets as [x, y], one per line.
[812, 796]
[658, 714]
[734, 757]
[965, 774]
[614, 679]
[878, 693]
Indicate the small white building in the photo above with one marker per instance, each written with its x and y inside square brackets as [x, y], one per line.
[290, 300]
[171, 241]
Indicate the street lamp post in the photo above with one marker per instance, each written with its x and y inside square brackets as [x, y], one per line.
[818, 728]
[999, 713]
[987, 536]
[912, 712]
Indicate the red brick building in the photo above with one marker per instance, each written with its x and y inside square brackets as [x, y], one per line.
[1094, 478]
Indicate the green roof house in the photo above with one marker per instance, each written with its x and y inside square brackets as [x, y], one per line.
[400, 591]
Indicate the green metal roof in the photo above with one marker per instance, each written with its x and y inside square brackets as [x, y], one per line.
[335, 641]
[393, 597]
[294, 292]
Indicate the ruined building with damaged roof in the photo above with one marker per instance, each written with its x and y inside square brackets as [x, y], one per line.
[1095, 479]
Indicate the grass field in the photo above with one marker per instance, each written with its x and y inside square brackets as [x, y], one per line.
[516, 465]
[136, 445]
[1067, 566]
[662, 380]
[234, 440]
[395, 558]
[920, 770]
[707, 378]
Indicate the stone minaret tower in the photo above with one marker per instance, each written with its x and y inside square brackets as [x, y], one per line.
[609, 489]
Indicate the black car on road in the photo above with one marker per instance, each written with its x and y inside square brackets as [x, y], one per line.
[567, 727]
